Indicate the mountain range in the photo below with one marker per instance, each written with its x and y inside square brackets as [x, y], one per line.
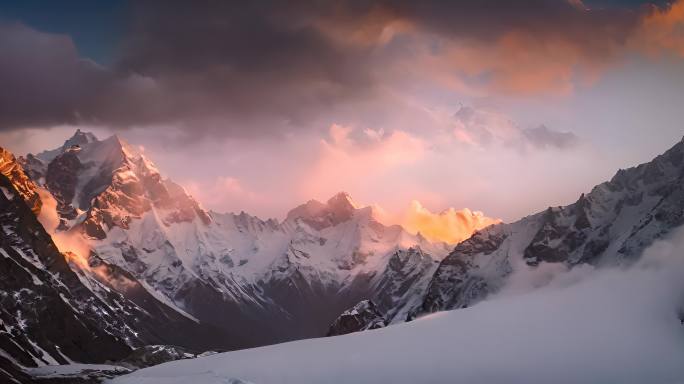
[96, 242]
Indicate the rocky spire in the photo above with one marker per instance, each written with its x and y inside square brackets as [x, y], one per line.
[15, 173]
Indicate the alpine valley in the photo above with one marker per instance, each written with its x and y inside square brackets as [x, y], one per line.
[105, 261]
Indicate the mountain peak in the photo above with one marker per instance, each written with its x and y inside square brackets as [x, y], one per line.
[10, 168]
[342, 200]
[79, 138]
[337, 209]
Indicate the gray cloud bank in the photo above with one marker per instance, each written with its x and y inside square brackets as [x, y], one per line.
[261, 68]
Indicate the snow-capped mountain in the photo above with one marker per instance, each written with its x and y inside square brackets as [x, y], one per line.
[610, 225]
[53, 311]
[611, 325]
[260, 281]
[23, 185]
[159, 269]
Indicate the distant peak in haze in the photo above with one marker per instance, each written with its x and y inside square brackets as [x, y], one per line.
[343, 201]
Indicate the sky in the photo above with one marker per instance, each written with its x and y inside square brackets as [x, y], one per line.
[501, 107]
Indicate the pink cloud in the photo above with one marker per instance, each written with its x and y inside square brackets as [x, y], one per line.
[351, 157]
[221, 193]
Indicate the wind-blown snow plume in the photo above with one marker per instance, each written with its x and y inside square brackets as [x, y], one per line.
[73, 245]
[70, 243]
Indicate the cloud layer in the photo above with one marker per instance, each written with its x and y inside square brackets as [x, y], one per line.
[245, 69]
[451, 226]
[504, 107]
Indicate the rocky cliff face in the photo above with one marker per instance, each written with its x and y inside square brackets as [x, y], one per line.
[55, 311]
[47, 315]
[363, 316]
[23, 185]
[150, 355]
[401, 285]
[107, 184]
[610, 225]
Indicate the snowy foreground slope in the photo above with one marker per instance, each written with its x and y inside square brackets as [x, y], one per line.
[586, 326]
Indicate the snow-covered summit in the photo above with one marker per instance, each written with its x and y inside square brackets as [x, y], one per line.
[287, 279]
[102, 184]
[336, 210]
[79, 139]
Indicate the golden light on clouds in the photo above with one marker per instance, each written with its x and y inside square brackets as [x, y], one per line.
[662, 30]
[450, 226]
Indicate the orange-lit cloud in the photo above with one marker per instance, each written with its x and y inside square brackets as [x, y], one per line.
[518, 62]
[550, 51]
[451, 226]
[662, 31]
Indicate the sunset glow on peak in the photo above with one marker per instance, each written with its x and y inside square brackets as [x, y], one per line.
[226, 235]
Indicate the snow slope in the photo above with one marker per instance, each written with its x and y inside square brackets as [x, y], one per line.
[587, 326]
[611, 225]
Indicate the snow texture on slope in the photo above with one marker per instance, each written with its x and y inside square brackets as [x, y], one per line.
[589, 325]
[611, 225]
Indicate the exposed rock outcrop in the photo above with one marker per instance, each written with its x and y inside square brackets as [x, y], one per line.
[363, 316]
[10, 167]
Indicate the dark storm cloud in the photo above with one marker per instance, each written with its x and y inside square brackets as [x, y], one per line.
[42, 78]
[489, 19]
[259, 68]
[256, 61]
